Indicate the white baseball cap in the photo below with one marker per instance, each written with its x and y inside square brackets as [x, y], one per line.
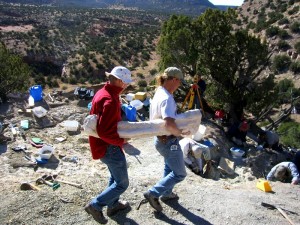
[121, 73]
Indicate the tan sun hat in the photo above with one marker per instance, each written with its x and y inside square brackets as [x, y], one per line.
[174, 72]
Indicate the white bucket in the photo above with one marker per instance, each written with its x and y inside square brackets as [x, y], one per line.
[39, 111]
[200, 133]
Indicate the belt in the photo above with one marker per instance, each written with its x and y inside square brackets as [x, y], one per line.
[165, 138]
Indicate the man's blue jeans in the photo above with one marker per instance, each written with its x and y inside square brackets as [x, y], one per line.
[118, 182]
[174, 170]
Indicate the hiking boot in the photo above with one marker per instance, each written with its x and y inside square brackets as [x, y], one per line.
[171, 196]
[154, 202]
[97, 215]
[120, 206]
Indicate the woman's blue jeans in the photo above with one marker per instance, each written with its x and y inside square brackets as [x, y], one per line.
[174, 171]
[118, 181]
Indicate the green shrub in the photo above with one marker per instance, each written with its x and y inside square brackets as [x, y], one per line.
[282, 7]
[283, 34]
[295, 27]
[281, 63]
[295, 67]
[291, 2]
[274, 16]
[283, 21]
[142, 83]
[144, 64]
[140, 75]
[250, 25]
[94, 81]
[72, 80]
[284, 85]
[297, 47]
[283, 45]
[153, 71]
[289, 134]
[294, 10]
[272, 31]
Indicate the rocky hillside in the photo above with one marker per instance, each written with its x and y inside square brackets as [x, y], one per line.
[277, 22]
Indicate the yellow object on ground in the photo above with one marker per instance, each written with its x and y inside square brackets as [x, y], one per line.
[264, 185]
[140, 96]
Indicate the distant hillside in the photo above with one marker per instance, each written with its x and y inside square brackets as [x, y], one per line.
[187, 7]
[276, 22]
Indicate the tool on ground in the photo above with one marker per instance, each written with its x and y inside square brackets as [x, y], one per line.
[142, 202]
[28, 186]
[53, 178]
[20, 148]
[191, 96]
[42, 180]
[269, 206]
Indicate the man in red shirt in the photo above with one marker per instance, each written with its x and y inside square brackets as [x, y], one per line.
[108, 148]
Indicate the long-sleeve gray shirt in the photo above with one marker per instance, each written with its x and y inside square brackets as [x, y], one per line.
[290, 166]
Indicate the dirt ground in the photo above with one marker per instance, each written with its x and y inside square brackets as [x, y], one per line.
[226, 200]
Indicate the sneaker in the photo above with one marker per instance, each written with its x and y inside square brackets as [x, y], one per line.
[154, 202]
[171, 196]
[97, 215]
[121, 206]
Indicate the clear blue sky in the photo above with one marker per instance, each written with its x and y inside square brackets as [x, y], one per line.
[227, 2]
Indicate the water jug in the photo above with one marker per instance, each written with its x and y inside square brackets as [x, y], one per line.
[30, 101]
[130, 112]
[36, 92]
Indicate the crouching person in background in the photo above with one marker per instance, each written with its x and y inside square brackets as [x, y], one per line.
[269, 139]
[237, 133]
[284, 172]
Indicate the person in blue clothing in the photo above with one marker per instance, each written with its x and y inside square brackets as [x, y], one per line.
[284, 172]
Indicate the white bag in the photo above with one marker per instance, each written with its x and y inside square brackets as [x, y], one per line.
[90, 124]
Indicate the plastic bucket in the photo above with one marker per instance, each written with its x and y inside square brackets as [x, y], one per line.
[130, 112]
[36, 92]
[46, 151]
